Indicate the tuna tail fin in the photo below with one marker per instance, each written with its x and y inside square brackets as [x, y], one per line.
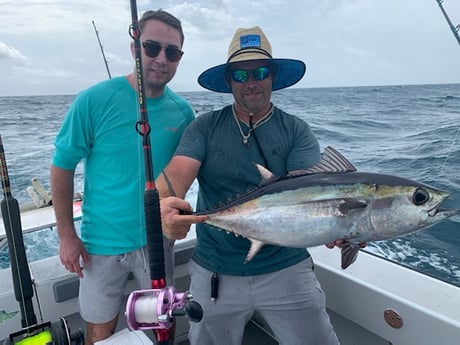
[350, 252]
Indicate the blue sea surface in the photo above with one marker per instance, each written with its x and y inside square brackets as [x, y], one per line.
[411, 131]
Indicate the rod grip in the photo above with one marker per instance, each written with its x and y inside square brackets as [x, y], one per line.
[154, 235]
[22, 281]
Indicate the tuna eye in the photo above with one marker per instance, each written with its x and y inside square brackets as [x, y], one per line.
[420, 196]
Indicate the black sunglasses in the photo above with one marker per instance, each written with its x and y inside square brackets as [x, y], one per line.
[152, 49]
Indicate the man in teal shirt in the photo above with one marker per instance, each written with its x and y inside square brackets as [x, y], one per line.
[100, 129]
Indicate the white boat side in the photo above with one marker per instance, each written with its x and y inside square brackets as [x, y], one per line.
[428, 308]
[33, 219]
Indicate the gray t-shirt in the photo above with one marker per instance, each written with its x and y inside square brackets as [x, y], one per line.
[282, 144]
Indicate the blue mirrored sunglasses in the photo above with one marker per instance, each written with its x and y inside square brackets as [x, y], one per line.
[242, 76]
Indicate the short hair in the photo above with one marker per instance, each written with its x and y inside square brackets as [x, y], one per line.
[164, 17]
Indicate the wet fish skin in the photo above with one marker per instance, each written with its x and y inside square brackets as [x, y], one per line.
[331, 201]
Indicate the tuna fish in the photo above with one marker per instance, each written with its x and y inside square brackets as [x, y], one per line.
[327, 202]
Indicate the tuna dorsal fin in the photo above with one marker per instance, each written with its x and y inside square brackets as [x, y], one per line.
[331, 161]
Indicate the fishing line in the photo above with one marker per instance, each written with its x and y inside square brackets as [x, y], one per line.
[454, 141]
[455, 30]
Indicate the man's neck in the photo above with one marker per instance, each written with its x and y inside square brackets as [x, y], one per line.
[244, 115]
[149, 92]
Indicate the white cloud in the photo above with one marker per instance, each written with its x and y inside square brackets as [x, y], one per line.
[113, 58]
[52, 16]
[44, 72]
[343, 42]
[7, 52]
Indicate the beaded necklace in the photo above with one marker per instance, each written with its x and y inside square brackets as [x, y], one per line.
[252, 127]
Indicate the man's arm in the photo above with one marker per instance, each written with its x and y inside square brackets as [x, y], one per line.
[181, 172]
[172, 185]
[70, 246]
[62, 195]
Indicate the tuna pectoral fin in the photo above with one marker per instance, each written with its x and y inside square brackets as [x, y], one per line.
[350, 205]
[255, 247]
[350, 252]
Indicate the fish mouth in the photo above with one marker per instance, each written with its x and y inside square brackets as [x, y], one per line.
[443, 213]
[432, 212]
[437, 207]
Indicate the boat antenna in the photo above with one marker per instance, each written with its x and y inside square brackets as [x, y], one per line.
[169, 303]
[106, 63]
[454, 29]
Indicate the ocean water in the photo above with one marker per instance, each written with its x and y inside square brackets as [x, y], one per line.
[411, 131]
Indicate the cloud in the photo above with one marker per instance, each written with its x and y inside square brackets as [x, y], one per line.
[343, 42]
[7, 52]
[362, 54]
[199, 20]
[110, 57]
[53, 16]
[45, 73]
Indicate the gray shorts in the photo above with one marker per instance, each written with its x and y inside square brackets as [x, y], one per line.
[290, 301]
[104, 281]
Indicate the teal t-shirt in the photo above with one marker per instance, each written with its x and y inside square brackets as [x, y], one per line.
[100, 129]
[284, 142]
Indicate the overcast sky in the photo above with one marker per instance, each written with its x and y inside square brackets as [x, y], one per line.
[49, 46]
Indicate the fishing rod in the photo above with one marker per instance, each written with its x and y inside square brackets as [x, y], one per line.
[106, 63]
[454, 29]
[22, 281]
[57, 332]
[155, 308]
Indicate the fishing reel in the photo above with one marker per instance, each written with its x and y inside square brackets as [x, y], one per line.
[49, 333]
[156, 308]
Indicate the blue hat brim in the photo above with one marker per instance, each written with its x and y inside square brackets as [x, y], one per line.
[288, 73]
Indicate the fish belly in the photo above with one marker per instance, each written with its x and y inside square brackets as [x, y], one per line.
[298, 225]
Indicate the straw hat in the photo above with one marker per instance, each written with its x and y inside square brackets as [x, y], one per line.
[252, 44]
